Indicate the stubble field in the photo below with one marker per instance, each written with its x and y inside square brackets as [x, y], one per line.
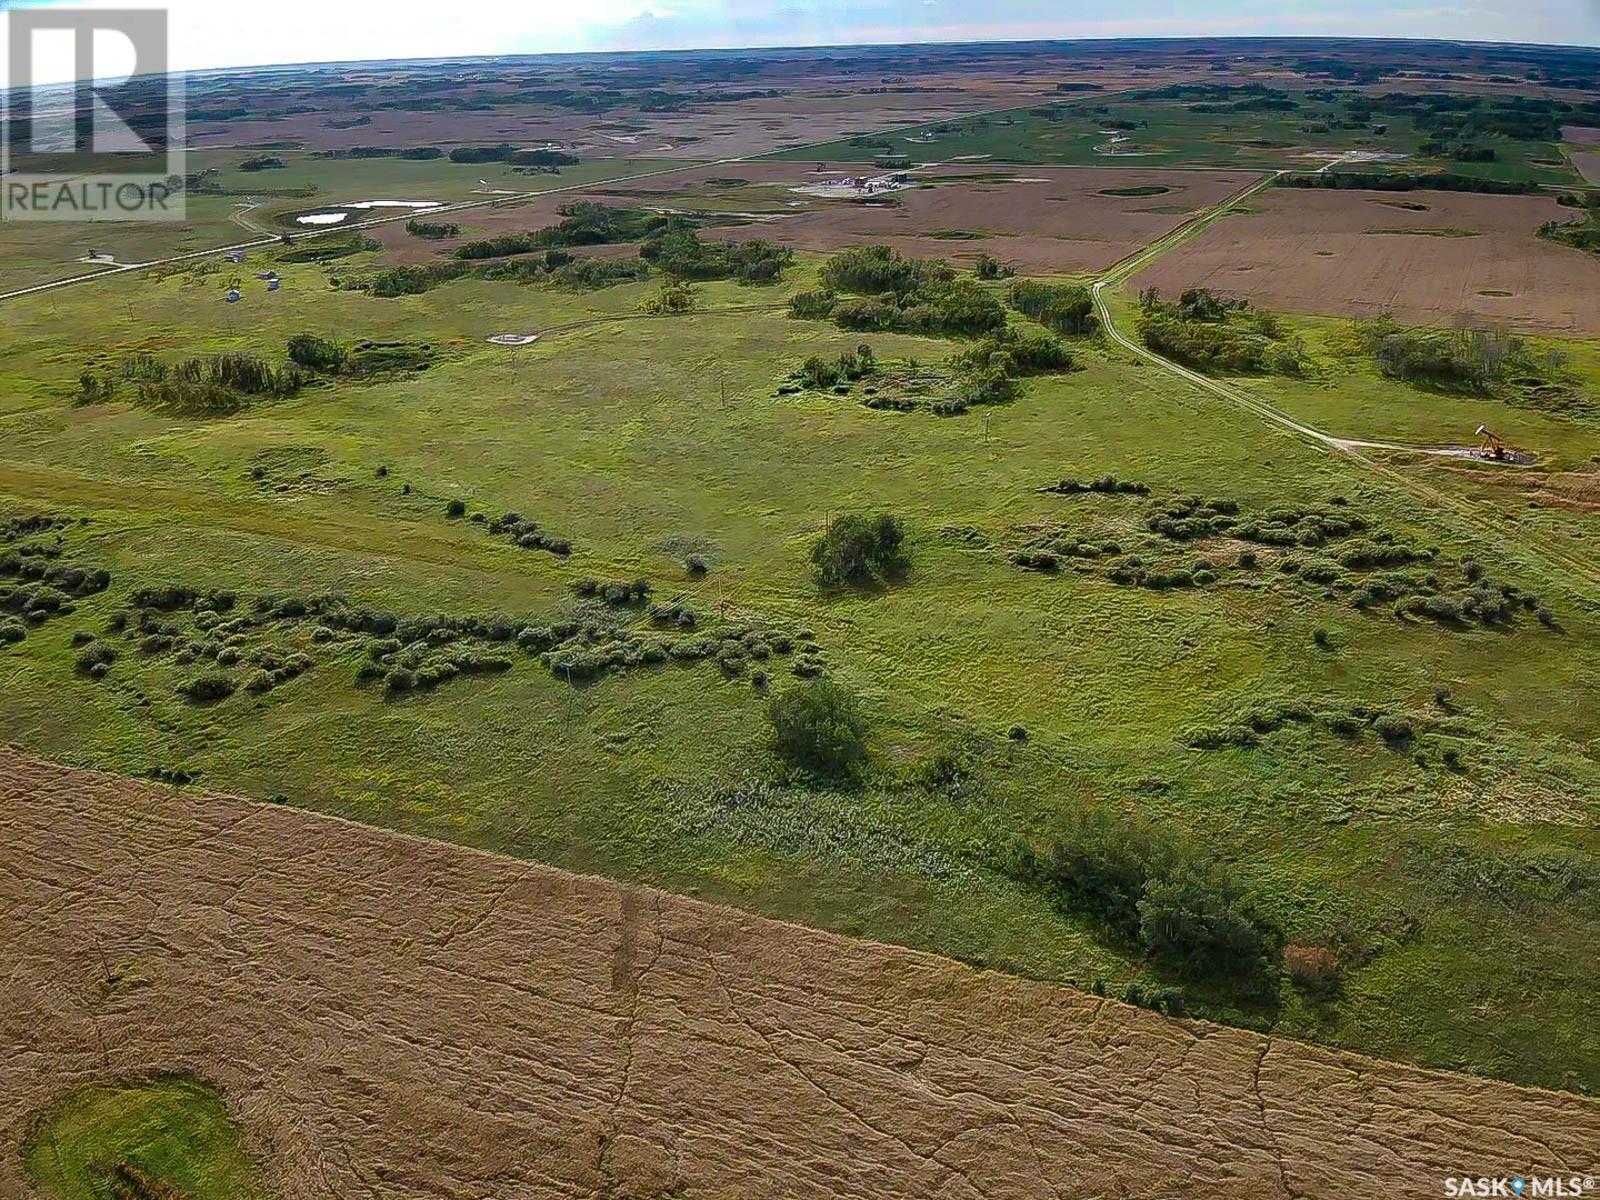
[380, 1014]
[1427, 258]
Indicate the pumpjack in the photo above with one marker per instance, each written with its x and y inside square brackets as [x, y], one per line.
[1490, 444]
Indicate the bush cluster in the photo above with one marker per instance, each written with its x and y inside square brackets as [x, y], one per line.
[1210, 333]
[1158, 892]
[317, 353]
[590, 272]
[47, 587]
[1107, 485]
[858, 550]
[530, 535]
[433, 231]
[593, 641]
[891, 292]
[1476, 361]
[819, 373]
[215, 386]
[1011, 353]
[618, 594]
[1385, 181]
[507, 153]
[678, 251]
[411, 280]
[583, 223]
[1064, 307]
[819, 729]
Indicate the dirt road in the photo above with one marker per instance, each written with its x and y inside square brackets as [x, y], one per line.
[1487, 518]
[394, 1017]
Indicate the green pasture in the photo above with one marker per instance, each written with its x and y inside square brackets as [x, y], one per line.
[646, 439]
[169, 1135]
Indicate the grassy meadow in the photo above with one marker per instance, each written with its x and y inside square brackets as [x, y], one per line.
[133, 1137]
[999, 700]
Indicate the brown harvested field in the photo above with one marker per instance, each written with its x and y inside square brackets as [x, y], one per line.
[714, 131]
[1588, 164]
[1040, 219]
[389, 1016]
[816, 105]
[1582, 135]
[1354, 253]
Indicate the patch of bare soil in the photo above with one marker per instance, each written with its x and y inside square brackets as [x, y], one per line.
[394, 1017]
[1316, 252]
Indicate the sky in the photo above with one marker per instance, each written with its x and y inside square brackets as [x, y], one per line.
[230, 33]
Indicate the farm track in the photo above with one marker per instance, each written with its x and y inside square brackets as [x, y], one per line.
[387, 1014]
[1484, 517]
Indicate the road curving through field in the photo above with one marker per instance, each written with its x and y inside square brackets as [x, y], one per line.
[1486, 517]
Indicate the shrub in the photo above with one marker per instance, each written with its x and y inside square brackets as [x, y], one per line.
[675, 297]
[813, 306]
[856, 550]
[1099, 867]
[1154, 890]
[12, 631]
[1198, 923]
[1312, 968]
[96, 658]
[432, 230]
[317, 353]
[206, 689]
[456, 508]
[988, 268]
[818, 728]
[1065, 308]
[1393, 729]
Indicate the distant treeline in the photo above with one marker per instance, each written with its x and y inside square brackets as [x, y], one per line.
[1383, 181]
[512, 155]
[420, 153]
[583, 223]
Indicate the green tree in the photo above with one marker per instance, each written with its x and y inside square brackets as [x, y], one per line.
[819, 729]
[856, 549]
